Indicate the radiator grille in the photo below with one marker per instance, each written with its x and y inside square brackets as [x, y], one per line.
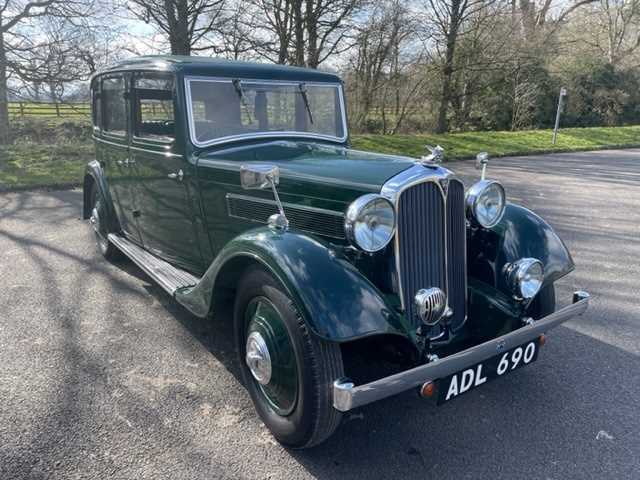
[431, 245]
[309, 219]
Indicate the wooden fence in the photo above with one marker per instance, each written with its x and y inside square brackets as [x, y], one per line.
[49, 109]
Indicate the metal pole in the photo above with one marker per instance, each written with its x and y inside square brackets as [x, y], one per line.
[563, 93]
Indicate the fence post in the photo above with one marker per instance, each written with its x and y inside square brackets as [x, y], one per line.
[21, 109]
[57, 109]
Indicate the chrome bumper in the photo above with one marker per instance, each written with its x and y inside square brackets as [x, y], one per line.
[346, 396]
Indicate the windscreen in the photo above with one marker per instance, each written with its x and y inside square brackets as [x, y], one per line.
[229, 108]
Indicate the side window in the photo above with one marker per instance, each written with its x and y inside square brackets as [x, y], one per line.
[114, 107]
[154, 115]
[95, 104]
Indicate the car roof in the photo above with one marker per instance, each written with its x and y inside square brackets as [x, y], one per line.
[218, 67]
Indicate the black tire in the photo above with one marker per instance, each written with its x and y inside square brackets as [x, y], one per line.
[544, 303]
[100, 228]
[312, 419]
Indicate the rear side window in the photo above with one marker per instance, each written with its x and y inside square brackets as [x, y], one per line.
[154, 112]
[114, 107]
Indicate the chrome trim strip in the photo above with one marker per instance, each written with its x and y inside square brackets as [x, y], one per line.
[132, 147]
[466, 275]
[250, 136]
[347, 397]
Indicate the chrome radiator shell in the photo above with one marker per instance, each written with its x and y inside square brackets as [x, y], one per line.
[430, 240]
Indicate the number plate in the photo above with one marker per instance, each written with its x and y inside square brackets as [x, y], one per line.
[466, 380]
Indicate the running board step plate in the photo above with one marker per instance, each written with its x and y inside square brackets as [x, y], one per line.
[166, 275]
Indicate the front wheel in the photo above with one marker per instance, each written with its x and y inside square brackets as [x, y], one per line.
[289, 372]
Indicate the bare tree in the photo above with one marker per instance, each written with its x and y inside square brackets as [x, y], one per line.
[545, 15]
[185, 23]
[378, 69]
[449, 18]
[236, 33]
[30, 53]
[611, 28]
[302, 32]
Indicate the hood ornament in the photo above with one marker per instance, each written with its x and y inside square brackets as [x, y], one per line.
[435, 157]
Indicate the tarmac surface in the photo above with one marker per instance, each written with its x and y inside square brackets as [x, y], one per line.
[103, 375]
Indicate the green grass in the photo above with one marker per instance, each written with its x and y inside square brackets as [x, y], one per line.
[32, 165]
[467, 145]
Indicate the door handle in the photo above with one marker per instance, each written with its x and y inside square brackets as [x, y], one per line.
[177, 176]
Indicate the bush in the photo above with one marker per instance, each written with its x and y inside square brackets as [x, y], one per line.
[50, 131]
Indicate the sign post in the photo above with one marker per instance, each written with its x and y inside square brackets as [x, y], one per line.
[563, 94]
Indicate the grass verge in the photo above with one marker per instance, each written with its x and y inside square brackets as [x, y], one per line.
[29, 165]
[467, 145]
[34, 165]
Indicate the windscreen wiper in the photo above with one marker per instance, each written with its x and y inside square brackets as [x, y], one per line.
[240, 91]
[303, 91]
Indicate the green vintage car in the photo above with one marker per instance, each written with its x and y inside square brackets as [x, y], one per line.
[354, 275]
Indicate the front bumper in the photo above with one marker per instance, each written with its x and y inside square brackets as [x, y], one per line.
[347, 396]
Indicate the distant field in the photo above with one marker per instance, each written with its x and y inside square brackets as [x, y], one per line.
[29, 164]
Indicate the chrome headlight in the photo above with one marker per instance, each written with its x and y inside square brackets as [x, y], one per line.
[370, 222]
[485, 203]
[525, 277]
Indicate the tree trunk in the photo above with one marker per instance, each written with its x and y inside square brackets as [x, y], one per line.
[4, 104]
[298, 20]
[178, 21]
[313, 55]
[447, 72]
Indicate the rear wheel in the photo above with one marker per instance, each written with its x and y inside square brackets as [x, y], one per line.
[289, 372]
[98, 222]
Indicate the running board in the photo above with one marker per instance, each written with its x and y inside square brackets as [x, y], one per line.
[166, 275]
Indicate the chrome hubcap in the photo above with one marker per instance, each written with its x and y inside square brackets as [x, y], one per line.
[258, 359]
[95, 220]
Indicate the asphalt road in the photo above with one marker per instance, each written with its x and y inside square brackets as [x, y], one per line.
[102, 375]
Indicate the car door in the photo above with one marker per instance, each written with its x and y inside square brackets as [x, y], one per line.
[113, 150]
[166, 219]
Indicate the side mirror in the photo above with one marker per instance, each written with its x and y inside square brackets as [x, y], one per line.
[259, 177]
[482, 160]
